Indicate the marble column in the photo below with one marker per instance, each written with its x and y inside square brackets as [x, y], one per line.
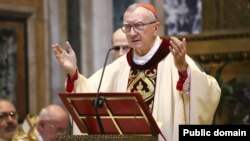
[96, 32]
[58, 34]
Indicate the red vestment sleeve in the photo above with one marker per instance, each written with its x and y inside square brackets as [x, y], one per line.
[182, 79]
[71, 81]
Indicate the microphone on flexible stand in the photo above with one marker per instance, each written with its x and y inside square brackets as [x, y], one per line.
[99, 101]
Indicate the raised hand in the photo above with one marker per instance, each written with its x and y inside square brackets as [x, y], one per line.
[66, 58]
[178, 49]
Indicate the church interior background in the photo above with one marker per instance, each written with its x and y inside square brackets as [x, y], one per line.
[217, 31]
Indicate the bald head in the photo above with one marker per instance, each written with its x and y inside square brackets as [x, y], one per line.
[8, 119]
[52, 121]
[119, 39]
[52, 112]
[118, 35]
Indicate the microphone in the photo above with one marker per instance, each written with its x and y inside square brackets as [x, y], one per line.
[99, 101]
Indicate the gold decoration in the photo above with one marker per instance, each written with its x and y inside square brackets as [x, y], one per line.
[26, 132]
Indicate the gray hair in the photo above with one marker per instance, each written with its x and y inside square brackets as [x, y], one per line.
[134, 6]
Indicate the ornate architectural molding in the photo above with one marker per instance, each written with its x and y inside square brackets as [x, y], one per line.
[219, 46]
[235, 56]
[220, 35]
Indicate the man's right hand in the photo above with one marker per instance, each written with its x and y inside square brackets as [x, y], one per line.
[66, 58]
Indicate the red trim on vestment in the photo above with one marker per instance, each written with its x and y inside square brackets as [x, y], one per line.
[160, 54]
[182, 79]
[71, 81]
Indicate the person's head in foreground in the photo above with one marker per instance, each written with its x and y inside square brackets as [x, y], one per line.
[52, 121]
[8, 120]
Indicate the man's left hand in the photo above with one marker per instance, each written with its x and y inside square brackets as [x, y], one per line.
[178, 49]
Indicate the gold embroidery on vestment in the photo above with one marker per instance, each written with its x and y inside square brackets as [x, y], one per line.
[143, 82]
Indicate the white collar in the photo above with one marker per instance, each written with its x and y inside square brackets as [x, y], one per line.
[141, 60]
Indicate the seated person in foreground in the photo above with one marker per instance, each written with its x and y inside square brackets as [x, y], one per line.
[52, 121]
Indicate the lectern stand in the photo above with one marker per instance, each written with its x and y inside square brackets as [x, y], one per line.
[124, 116]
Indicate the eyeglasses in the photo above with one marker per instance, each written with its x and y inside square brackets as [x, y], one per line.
[137, 27]
[5, 115]
[118, 48]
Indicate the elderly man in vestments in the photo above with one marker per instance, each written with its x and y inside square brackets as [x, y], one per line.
[175, 89]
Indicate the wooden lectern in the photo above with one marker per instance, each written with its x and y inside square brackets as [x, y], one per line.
[123, 116]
